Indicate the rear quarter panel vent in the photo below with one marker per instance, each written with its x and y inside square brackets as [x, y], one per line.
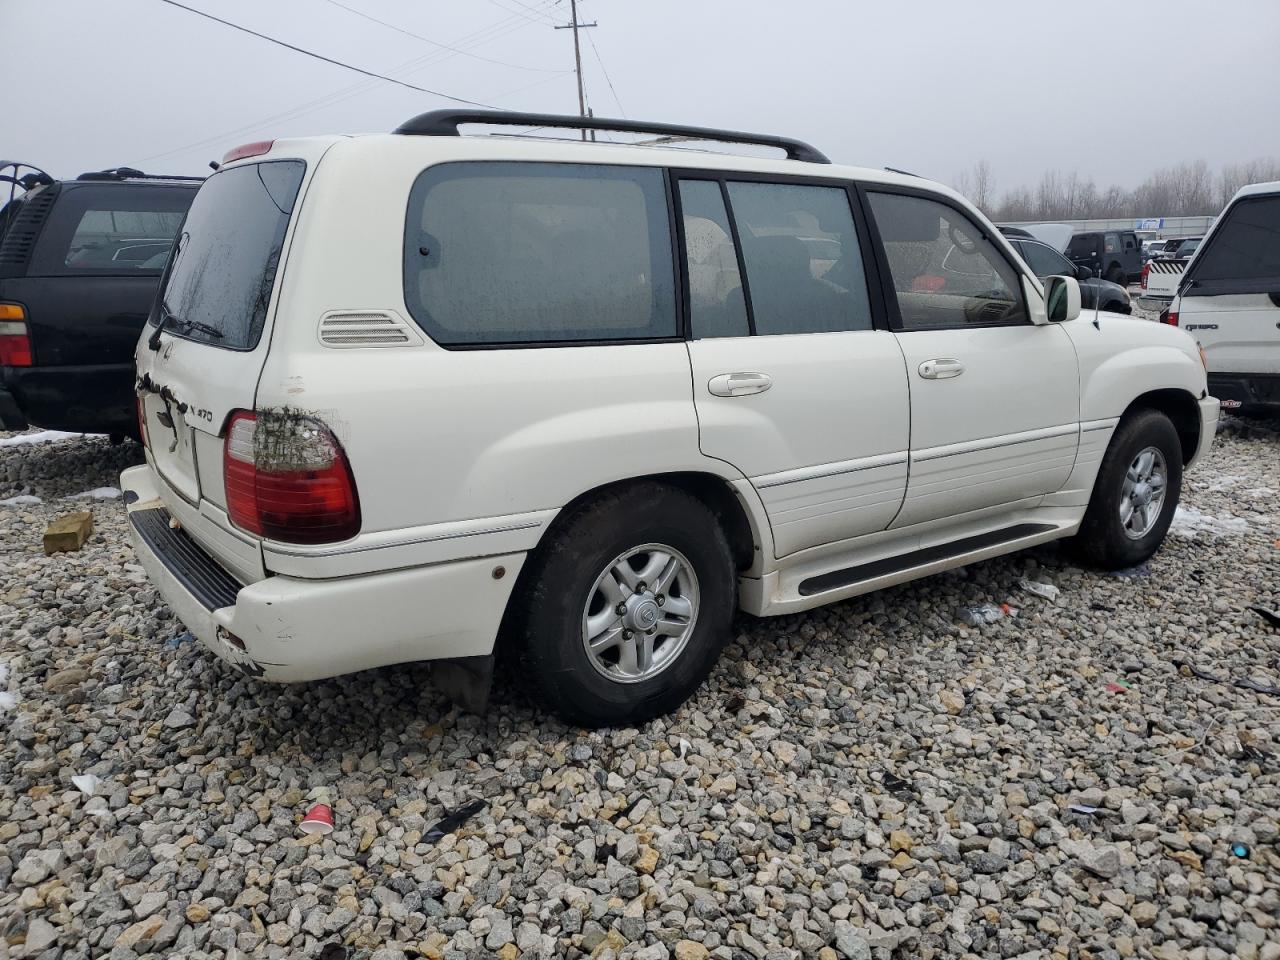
[20, 239]
[344, 329]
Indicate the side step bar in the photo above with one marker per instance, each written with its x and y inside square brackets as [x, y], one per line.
[850, 576]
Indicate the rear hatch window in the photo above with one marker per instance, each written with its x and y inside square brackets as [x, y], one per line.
[1243, 254]
[224, 264]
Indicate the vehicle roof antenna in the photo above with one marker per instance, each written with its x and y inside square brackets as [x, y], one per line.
[1097, 301]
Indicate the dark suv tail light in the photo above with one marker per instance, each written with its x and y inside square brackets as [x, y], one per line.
[15, 339]
[287, 478]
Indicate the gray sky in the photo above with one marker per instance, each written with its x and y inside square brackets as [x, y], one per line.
[1113, 89]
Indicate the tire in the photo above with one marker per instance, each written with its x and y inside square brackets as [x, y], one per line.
[566, 583]
[1103, 540]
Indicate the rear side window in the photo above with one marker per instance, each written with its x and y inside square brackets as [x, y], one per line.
[116, 229]
[519, 253]
[1083, 245]
[804, 264]
[1243, 254]
[224, 264]
[945, 272]
[717, 302]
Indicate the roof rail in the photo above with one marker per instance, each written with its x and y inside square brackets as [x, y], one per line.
[130, 173]
[445, 123]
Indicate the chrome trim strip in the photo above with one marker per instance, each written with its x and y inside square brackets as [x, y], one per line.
[269, 545]
[1089, 426]
[993, 443]
[829, 470]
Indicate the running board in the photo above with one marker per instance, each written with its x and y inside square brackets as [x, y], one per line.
[850, 576]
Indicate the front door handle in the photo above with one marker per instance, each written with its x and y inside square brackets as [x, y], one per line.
[739, 384]
[942, 369]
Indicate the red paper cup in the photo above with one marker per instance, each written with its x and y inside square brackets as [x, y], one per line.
[319, 819]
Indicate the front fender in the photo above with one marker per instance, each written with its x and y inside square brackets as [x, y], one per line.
[1122, 358]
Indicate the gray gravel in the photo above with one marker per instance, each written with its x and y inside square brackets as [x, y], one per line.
[866, 780]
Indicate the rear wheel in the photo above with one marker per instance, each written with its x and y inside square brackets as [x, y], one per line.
[1116, 274]
[628, 605]
[1135, 494]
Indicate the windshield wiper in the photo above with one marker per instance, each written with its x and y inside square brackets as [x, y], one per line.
[153, 342]
[204, 328]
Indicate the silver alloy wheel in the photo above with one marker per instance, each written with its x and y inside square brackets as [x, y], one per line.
[640, 613]
[1142, 496]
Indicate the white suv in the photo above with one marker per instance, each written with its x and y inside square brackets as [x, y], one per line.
[401, 391]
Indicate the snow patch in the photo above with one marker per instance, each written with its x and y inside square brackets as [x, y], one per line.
[1190, 522]
[97, 493]
[1225, 482]
[44, 436]
[25, 500]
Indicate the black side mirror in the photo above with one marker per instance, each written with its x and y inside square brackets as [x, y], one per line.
[1083, 273]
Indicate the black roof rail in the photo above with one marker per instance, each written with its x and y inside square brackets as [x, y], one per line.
[130, 173]
[445, 123]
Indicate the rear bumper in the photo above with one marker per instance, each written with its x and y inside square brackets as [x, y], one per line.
[94, 398]
[287, 629]
[1247, 391]
[1208, 428]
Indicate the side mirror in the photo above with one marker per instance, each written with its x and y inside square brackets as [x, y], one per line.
[1083, 273]
[1061, 299]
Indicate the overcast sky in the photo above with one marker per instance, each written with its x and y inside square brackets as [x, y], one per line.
[1112, 89]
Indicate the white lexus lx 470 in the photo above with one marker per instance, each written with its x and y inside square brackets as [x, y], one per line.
[401, 392]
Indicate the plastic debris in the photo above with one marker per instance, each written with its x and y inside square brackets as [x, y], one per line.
[23, 500]
[1129, 573]
[7, 700]
[319, 816]
[1119, 686]
[174, 642]
[1106, 607]
[1244, 683]
[1271, 616]
[897, 786]
[453, 821]
[1240, 850]
[97, 493]
[1257, 686]
[1046, 591]
[86, 783]
[985, 613]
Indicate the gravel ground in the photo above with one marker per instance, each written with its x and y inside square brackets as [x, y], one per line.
[872, 779]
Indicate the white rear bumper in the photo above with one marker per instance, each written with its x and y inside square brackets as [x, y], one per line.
[291, 629]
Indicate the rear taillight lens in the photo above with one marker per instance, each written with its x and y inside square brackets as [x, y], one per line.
[287, 478]
[1170, 317]
[1146, 268]
[15, 339]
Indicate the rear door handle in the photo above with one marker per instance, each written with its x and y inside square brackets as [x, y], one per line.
[739, 384]
[941, 369]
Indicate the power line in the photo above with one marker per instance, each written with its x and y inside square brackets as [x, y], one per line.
[536, 16]
[436, 43]
[607, 79]
[318, 56]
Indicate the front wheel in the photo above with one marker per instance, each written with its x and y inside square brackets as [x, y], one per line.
[628, 605]
[1135, 494]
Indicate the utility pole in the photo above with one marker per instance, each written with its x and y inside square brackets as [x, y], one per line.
[575, 26]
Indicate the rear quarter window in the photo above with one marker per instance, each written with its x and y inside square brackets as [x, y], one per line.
[1243, 254]
[124, 229]
[527, 253]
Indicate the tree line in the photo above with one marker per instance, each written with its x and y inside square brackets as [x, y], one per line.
[1185, 190]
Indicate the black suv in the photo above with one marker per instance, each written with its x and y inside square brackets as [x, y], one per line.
[80, 261]
[1114, 255]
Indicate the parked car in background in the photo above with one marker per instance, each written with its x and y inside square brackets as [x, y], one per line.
[1229, 300]
[1163, 272]
[80, 261]
[1169, 247]
[606, 395]
[1111, 255]
[1046, 262]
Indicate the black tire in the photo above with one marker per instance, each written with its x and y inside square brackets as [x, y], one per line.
[558, 583]
[1102, 540]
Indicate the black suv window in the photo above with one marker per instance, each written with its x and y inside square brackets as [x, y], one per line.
[1083, 245]
[523, 253]
[1045, 261]
[224, 264]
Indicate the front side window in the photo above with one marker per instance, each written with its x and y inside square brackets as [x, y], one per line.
[224, 264]
[803, 259]
[520, 253]
[945, 272]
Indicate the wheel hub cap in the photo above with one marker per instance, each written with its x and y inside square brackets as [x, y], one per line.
[1142, 495]
[643, 612]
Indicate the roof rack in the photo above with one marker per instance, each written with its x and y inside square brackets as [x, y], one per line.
[445, 123]
[130, 173]
[10, 170]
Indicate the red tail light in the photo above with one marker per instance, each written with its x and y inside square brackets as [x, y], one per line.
[1146, 268]
[255, 149]
[15, 339]
[287, 478]
[1170, 317]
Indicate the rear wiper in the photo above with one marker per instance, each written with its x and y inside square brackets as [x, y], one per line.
[204, 328]
[153, 342]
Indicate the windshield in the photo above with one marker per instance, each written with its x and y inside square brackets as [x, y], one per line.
[225, 260]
